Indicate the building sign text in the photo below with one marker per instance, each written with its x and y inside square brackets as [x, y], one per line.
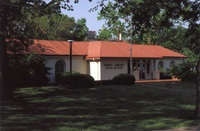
[114, 66]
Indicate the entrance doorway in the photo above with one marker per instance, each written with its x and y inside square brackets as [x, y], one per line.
[143, 67]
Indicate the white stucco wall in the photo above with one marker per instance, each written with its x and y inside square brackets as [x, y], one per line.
[111, 67]
[167, 61]
[79, 64]
[103, 69]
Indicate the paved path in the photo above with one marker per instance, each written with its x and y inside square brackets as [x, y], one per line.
[155, 81]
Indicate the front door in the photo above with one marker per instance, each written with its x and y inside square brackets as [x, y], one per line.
[145, 69]
[95, 70]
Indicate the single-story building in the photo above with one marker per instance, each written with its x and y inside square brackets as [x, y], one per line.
[105, 59]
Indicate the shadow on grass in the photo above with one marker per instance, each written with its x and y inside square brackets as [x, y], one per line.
[139, 107]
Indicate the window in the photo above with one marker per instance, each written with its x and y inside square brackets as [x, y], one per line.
[148, 66]
[135, 65]
[160, 65]
[172, 63]
[59, 67]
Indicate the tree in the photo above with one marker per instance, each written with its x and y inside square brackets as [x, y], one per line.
[147, 16]
[54, 27]
[194, 44]
[197, 109]
[172, 38]
[112, 33]
[60, 27]
[104, 34]
[81, 30]
[13, 12]
[115, 24]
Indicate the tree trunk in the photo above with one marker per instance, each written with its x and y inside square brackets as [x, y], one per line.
[5, 91]
[197, 109]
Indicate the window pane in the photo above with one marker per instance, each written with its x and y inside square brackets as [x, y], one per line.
[59, 67]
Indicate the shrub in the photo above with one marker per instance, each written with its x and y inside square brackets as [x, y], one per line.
[189, 76]
[64, 78]
[28, 70]
[124, 79]
[77, 80]
[165, 75]
[184, 71]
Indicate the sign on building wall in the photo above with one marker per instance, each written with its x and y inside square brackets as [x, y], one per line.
[113, 66]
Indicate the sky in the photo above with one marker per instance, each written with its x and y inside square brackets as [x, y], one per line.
[81, 10]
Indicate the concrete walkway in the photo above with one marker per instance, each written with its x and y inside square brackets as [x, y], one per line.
[156, 81]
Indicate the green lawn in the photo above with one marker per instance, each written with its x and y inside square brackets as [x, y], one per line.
[140, 107]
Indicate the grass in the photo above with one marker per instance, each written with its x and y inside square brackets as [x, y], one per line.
[142, 107]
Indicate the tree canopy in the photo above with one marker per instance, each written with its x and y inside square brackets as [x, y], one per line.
[150, 17]
[104, 34]
[60, 27]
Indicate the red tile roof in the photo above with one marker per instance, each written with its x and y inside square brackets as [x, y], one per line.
[102, 49]
[47, 47]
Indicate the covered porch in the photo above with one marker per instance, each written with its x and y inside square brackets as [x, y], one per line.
[145, 69]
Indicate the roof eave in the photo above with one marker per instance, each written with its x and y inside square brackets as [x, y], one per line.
[175, 57]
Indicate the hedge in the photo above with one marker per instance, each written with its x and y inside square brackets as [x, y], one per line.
[124, 79]
[77, 80]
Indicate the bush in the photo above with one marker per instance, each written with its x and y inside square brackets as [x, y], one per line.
[124, 79]
[184, 71]
[77, 80]
[64, 78]
[29, 70]
[189, 76]
[165, 76]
